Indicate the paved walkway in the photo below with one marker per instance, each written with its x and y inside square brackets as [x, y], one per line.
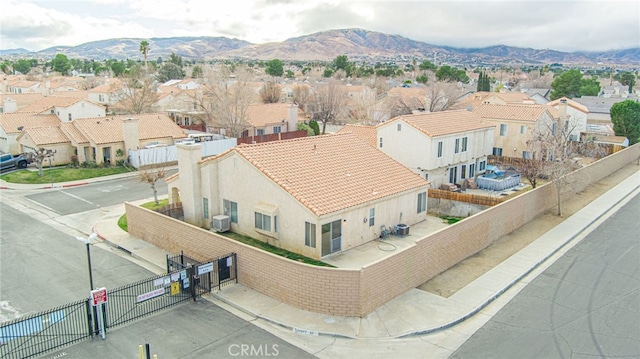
[416, 312]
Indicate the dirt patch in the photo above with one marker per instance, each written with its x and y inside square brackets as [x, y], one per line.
[450, 281]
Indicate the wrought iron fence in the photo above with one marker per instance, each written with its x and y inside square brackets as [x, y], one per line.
[41, 332]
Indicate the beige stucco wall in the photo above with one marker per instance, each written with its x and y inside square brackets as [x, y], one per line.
[349, 292]
[514, 142]
[418, 152]
[82, 109]
[234, 176]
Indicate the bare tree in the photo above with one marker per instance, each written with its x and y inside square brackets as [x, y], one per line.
[301, 96]
[224, 98]
[440, 95]
[151, 177]
[557, 155]
[270, 92]
[327, 103]
[40, 155]
[137, 93]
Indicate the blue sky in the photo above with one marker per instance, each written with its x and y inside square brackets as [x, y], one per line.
[565, 25]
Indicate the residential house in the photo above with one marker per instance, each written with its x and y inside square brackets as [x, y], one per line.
[185, 84]
[66, 108]
[443, 147]
[539, 95]
[367, 133]
[51, 138]
[314, 195]
[265, 119]
[103, 94]
[24, 86]
[98, 139]
[10, 103]
[403, 100]
[479, 98]
[12, 124]
[599, 107]
[517, 125]
[573, 115]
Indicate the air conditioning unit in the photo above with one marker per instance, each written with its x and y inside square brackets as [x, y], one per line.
[221, 223]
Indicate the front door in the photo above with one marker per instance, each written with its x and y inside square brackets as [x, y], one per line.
[331, 237]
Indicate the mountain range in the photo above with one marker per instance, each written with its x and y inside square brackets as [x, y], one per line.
[357, 44]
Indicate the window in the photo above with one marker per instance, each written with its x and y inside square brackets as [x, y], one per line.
[70, 117]
[457, 148]
[523, 130]
[262, 221]
[439, 149]
[399, 127]
[186, 121]
[422, 202]
[463, 172]
[464, 144]
[526, 155]
[310, 234]
[554, 128]
[503, 130]
[497, 151]
[230, 209]
[259, 131]
[277, 129]
[205, 207]
[472, 170]
[372, 216]
[380, 142]
[481, 166]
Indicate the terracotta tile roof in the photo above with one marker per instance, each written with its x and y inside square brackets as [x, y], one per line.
[105, 88]
[260, 115]
[330, 173]
[49, 102]
[367, 133]
[476, 99]
[24, 84]
[578, 106]
[443, 123]
[108, 129]
[529, 113]
[11, 121]
[22, 99]
[45, 135]
[82, 95]
[73, 133]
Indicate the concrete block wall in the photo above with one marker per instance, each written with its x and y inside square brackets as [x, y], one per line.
[352, 292]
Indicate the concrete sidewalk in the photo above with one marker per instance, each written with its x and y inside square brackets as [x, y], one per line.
[415, 312]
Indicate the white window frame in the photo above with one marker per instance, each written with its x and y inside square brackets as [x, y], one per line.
[439, 149]
[310, 234]
[372, 217]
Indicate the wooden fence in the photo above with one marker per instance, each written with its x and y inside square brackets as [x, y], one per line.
[467, 198]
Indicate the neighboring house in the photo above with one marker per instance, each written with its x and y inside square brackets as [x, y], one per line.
[573, 114]
[99, 139]
[186, 84]
[12, 124]
[24, 86]
[314, 195]
[599, 107]
[103, 94]
[402, 100]
[516, 125]
[271, 118]
[51, 138]
[477, 99]
[66, 108]
[539, 95]
[16, 102]
[443, 147]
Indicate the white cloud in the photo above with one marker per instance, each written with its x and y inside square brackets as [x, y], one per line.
[560, 25]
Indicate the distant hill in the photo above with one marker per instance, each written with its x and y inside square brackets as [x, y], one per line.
[13, 51]
[357, 44]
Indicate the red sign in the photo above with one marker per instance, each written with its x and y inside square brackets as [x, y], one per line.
[98, 296]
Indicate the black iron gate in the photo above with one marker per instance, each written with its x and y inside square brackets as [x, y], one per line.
[213, 274]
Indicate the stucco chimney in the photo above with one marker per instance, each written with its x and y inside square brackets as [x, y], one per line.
[292, 117]
[562, 107]
[131, 134]
[9, 105]
[190, 182]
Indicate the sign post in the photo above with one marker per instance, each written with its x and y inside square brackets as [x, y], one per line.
[99, 299]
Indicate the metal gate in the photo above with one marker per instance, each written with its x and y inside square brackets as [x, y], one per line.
[213, 274]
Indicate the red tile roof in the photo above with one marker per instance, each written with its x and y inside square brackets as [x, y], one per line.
[443, 122]
[330, 173]
[109, 129]
[45, 135]
[10, 122]
[514, 112]
[367, 133]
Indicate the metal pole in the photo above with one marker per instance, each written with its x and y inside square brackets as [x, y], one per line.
[50, 172]
[89, 262]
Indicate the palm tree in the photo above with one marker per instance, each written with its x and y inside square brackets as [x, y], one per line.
[144, 49]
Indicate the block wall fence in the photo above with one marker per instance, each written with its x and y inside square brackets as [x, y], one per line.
[357, 292]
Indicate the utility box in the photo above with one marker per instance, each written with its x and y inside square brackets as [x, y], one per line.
[220, 223]
[402, 229]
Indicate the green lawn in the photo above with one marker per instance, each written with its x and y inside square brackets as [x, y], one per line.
[61, 174]
[122, 221]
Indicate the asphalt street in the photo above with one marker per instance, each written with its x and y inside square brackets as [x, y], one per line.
[587, 304]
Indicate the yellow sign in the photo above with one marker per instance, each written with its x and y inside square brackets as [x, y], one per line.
[175, 288]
